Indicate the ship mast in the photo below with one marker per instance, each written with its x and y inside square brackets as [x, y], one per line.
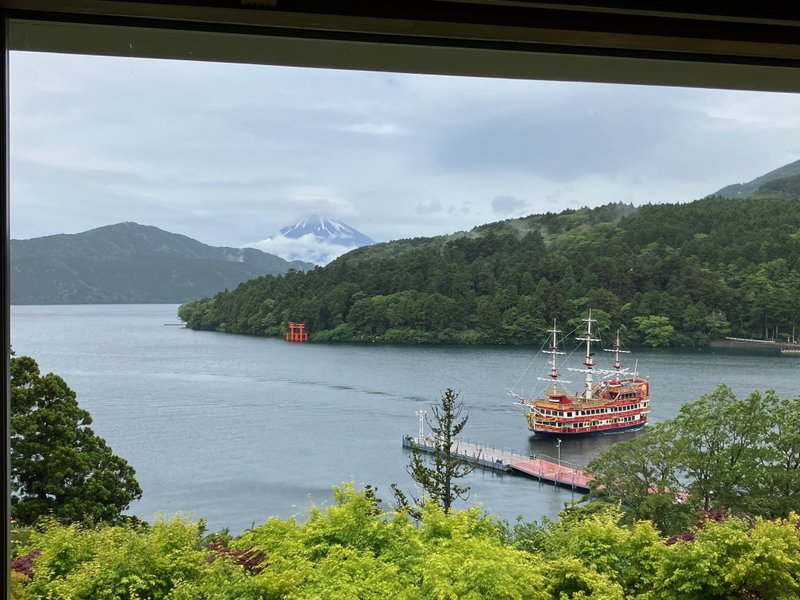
[617, 350]
[589, 360]
[553, 351]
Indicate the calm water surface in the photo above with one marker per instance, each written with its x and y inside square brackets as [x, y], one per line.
[235, 429]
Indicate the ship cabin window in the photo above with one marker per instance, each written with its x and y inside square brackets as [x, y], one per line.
[569, 414]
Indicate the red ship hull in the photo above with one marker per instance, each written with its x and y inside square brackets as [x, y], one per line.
[614, 407]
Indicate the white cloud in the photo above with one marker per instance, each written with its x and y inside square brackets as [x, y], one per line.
[307, 247]
[387, 129]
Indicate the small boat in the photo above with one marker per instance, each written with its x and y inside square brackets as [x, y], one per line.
[619, 401]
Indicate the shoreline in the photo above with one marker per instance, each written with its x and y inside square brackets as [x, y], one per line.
[749, 344]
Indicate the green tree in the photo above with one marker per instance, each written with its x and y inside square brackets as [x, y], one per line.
[439, 481]
[720, 448]
[641, 475]
[720, 452]
[58, 465]
[779, 489]
[655, 330]
[733, 559]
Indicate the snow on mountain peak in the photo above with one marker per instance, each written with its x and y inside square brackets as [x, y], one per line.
[316, 238]
[329, 230]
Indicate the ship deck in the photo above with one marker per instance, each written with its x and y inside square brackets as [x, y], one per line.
[578, 403]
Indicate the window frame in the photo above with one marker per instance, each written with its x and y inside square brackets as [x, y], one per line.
[688, 44]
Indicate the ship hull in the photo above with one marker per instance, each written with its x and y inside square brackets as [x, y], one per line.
[585, 434]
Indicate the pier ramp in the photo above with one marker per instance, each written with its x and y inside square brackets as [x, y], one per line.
[545, 469]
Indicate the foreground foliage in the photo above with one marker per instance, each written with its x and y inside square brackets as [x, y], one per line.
[352, 549]
[59, 466]
[720, 452]
[671, 274]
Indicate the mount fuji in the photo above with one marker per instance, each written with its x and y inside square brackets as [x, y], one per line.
[317, 239]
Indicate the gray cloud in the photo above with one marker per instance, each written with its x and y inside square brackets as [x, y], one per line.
[508, 206]
[428, 207]
[229, 154]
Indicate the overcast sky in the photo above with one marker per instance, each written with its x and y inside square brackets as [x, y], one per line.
[229, 154]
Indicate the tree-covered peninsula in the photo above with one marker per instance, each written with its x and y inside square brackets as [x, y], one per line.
[666, 274]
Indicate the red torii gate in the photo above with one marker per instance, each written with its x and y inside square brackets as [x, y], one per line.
[297, 333]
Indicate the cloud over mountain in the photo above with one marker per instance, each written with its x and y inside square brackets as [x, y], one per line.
[316, 239]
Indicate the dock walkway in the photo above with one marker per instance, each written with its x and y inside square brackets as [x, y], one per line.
[543, 468]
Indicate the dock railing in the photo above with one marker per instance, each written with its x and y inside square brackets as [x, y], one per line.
[487, 455]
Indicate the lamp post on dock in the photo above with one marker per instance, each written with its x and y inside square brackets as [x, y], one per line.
[421, 414]
[558, 447]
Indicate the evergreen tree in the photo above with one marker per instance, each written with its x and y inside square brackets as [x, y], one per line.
[439, 480]
[59, 466]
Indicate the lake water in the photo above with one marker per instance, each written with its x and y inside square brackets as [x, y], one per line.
[235, 429]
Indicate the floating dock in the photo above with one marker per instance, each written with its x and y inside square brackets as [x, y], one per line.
[546, 469]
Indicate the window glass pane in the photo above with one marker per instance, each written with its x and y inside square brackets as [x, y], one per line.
[235, 428]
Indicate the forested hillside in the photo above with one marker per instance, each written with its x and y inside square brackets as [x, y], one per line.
[760, 184]
[130, 263]
[668, 274]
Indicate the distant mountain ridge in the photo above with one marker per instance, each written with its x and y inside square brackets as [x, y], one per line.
[131, 263]
[771, 183]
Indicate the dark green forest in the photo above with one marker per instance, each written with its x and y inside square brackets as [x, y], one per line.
[665, 274]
